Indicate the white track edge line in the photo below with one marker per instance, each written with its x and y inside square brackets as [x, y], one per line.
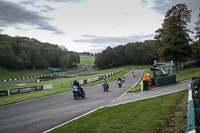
[129, 88]
[146, 97]
[73, 119]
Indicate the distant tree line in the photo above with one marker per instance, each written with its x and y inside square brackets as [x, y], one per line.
[86, 53]
[172, 42]
[25, 53]
[131, 53]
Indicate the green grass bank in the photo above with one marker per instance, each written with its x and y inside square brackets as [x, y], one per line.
[87, 60]
[145, 116]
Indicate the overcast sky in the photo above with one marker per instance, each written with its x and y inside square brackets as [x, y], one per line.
[87, 25]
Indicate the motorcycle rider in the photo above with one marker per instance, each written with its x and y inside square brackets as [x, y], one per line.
[105, 81]
[123, 79]
[120, 79]
[78, 85]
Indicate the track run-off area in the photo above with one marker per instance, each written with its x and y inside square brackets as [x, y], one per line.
[42, 114]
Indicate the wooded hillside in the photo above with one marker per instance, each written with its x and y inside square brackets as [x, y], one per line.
[25, 53]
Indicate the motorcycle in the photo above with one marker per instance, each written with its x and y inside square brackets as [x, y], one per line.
[119, 83]
[77, 92]
[123, 79]
[105, 86]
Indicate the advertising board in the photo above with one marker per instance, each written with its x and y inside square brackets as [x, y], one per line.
[3, 93]
[14, 91]
[49, 86]
[38, 88]
[25, 90]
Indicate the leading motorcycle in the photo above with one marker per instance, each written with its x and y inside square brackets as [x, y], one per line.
[119, 83]
[105, 86]
[77, 92]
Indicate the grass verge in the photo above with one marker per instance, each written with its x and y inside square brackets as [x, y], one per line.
[139, 117]
[8, 74]
[187, 73]
[87, 60]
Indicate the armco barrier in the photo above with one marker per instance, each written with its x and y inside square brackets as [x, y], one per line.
[28, 77]
[193, 121]
[85, 81]
[166, 80]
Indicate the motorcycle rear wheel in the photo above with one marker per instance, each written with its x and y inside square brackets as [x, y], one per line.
[104, 88]
[83, 95]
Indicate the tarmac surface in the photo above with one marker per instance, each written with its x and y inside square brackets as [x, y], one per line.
[41, 114]
[46, 113]
[152, 92]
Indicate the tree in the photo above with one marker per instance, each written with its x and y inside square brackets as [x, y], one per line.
[106, 59]
[195, 50]
[24, 53]
[74, 58]
[174, 37]
[133, 53]
[119, 56]
[158, 46]
[65, 62]
[23, 60]
[147, 55]
[197, 28]
[97, 61]
[7, 57]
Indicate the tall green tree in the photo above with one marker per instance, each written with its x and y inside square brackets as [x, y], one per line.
[158, 46]
[147, 54]
[196, 50]
[197, 28]
[65, 62]
[196, 45]
[97, 60]
[119, 56]
[74, 58]
[106, 61]
[174, 35]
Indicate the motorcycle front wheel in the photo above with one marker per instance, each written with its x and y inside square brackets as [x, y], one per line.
[76, 95]
[120, 85]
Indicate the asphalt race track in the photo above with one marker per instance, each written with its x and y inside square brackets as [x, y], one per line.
[39, 115]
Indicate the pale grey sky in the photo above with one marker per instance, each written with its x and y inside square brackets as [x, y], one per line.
[87, 25]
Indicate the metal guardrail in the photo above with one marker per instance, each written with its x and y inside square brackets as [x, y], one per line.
[166, 80]
[85, 81]
[60, 74]
[193, 120]
[65, 74]
[26, 77]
